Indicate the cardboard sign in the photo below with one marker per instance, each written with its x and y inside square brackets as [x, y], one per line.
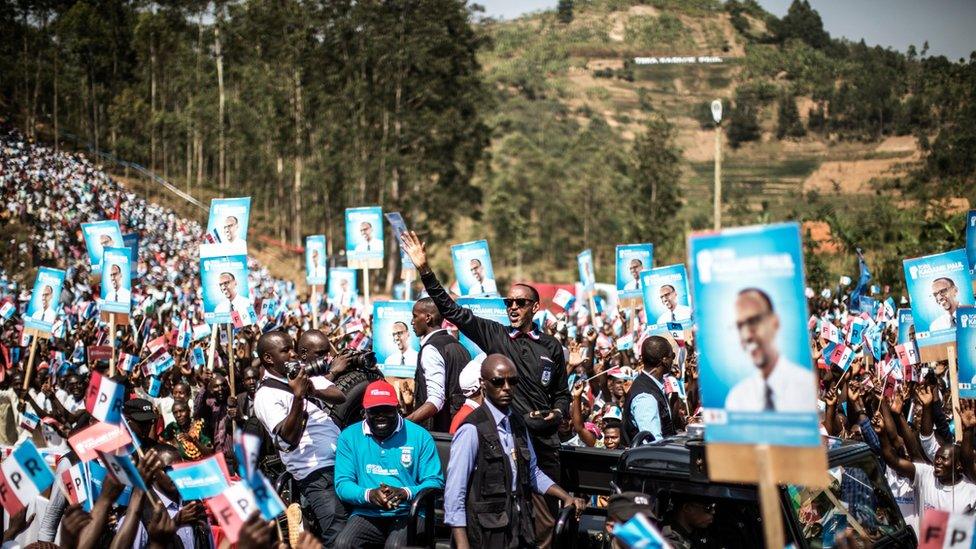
[100, 436]
[944, 530]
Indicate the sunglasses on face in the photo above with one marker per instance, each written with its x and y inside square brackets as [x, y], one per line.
[499, 382]
[519, 302]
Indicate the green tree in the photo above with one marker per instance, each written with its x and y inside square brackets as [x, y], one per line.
[655, 168]
[801, 22]
[788, 123]
[564, 11]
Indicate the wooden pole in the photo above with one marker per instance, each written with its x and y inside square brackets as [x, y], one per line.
[954, 387]
[111, 342]
[772, 515]
[30, 361]
[211, 350]
[231, 363]
[315, 307]
[718, 177]
[366, 288]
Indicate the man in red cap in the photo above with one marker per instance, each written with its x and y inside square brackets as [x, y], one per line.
[382, 463]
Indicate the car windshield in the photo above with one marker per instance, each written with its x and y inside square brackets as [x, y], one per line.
[858, 498]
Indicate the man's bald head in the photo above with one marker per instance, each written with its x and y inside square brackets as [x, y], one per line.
[495, 363]
[426, 306]
[313, 344]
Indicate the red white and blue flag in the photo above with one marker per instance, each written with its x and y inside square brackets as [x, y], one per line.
[24, 475]
[104, 399]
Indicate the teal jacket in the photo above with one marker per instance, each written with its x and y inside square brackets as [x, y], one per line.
[407, 459]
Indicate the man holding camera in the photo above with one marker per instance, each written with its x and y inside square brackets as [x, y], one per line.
[290, 406]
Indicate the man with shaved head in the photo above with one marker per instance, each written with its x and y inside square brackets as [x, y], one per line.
[542, 397]
[493, 466]
[777, 384]
[439, 364]
[646, 405]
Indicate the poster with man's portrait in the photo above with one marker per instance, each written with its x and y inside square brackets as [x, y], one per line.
[226, 292]
[937, 286]
[227, 224]
[472, 269]
[395, 344]
[492, 308]
[343, 289]
[666, 297]
[364, 237]
[966, 347]
[632, 259]
[584, 263]
[42, 310]
[98, 236]
[315, 272]
[116, 286]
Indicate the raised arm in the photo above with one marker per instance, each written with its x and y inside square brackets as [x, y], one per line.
[908, 434]
[576, 408]
[967, 416]
[901, 465]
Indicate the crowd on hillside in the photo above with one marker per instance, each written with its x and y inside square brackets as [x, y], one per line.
[606, 384]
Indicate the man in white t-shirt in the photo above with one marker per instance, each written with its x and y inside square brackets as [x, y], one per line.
[940, 486]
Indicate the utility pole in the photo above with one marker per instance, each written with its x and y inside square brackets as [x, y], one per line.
[717, 117]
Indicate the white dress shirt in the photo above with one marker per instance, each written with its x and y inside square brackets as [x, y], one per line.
[120, 296]
[240, 302]
[944, 322]
[681, 312]
[185, 532]
[45, 315]
[316, 447]
[487, 286]
[406, 358]
[793, 390]
[433, 364]
[634, 284]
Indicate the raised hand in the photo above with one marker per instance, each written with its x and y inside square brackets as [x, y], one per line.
[578, 389]
[415, 249]
[926, 394]
[967, 413]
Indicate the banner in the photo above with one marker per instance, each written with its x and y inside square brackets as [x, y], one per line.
[399, 227]
[343, 287]
[472, 269]
[757, 379]
[315, 257]
[227, 224]
[23, 476]
[937, 286]
[491, 308]
[394, 342]
[98, 236]
[104, 398]
[198, 479]
[45, 300]
[131, 241]
[116, 286]
[584, 263]
[364, 237]
[966, 349]
[99, 436]
[906, 326]
[226, 293]
[632, 259]
[666, 296]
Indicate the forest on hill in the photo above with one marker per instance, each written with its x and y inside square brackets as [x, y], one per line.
[540, 134]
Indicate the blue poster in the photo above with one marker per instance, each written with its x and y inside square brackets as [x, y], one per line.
[116, 287]
[399, 227]
[315, 259]
[394, 342]
[131, 241]
[971, 242]
[98, 236]
[198, 479]
[42, 309]
[758, 384]
[966, 348]
[472, 268]
[228, 221]
[666, 297]
[584, 262]
[632, 259]
[224, 286]
[906, 326]
[937, 285]
[492, 308]
[364, 237]
[343, 287]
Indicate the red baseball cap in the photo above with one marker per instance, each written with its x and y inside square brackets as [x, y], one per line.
[379, 393]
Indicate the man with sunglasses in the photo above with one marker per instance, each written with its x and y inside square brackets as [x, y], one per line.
[542, 396]
[777, 384]
[493, 469]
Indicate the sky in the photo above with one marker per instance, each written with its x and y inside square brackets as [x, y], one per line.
[947, 24]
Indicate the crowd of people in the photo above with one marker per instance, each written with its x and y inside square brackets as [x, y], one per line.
[547, 380]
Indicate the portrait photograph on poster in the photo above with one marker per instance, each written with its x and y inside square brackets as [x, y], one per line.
[116, 286]
[315, 260]
[42, 309]
[473, 270]
[364, 237]
[395, 344]
[228, 221]
[343, 287]
[225, 287]
[98, 236]
[937, 285]
[632, 259]
[666, 296]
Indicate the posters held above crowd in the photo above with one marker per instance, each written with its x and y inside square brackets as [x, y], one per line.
[42, 309]
[227, 224]
[937, 286]
[98, 236]
[632, 259]
[399, 227]
[394, 342]
[587, 278]
[315, 260]
[224, 282]
[472, 268]
[364, 237]
[666, 296]
[343, 287]
[116, 286]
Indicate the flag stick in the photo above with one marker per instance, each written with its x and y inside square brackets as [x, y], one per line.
[30, 361]
[231, 363]
[111, 342]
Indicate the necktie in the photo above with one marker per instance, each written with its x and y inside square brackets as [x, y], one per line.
[769, 407]
[403, 360]
[952, 319]
[673, 318]
[115, 296]
[232, 306]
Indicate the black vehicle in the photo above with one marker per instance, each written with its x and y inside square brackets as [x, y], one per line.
[676, 467]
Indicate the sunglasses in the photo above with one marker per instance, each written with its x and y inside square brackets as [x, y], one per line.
[519, 302]
[499, 382]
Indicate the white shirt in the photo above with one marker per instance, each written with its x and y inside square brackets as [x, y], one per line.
[120, 296]
[944, 322]
[316, 447]
[904, 492]
[317, 272]
[793, 387]
[185, 533]
[487, 286]
[681, 312]
[433, 364]
[634, 284]
[240, 302]
[932, 494]
[45, 315]
[409, 358]
[369, 246]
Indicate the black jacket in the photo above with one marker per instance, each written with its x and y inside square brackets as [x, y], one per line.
[455, 357]
[644, 384]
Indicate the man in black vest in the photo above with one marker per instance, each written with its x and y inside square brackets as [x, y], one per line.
[542, 397]
[439, 364]
[492, 472]
[646, 406]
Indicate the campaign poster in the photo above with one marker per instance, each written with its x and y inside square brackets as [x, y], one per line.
[226, 296]
[131, 241]
[632, 259]
[399, 227]
[666, 297]
[116, 286]
[491, 308]
[394, 342]
[757, 379]
[315, 260]
[971, 242]
[472, 268]
[98, 236]
[937, 286]
[906, 326]
[584, 262]
[227, 224]
[42, 309]
[343, 287]
[966, 349]
[364, 237]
